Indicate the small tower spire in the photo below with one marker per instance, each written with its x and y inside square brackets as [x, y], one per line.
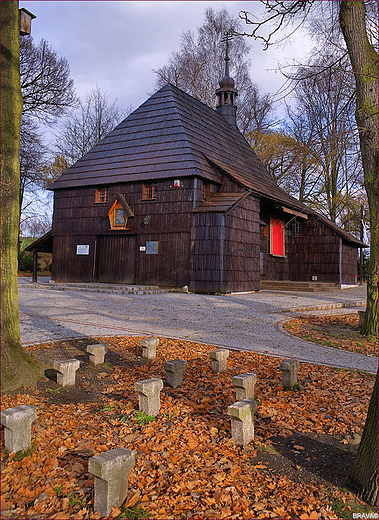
[227, 92]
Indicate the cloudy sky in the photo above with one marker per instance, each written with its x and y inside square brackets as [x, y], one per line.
[115, 45]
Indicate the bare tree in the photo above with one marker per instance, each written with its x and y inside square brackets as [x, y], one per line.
[46, 86]
[325, 108]
[87, 125]
[360, 37]
[48, 93]
[199, 65]
[32, 156]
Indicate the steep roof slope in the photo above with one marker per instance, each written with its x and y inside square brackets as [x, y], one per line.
[173, 134]
[168, 135]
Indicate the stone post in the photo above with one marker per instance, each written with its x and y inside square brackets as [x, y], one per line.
[361, 315]
[245, 384]
[174, 372]
[242, 422]
[66, 371]
[111, 470]
[149, 395]
[149, 348]
[219, 360]
[97, 353]
[17, 424]
[289, 369]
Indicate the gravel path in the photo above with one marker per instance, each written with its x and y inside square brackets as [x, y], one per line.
[240, 321]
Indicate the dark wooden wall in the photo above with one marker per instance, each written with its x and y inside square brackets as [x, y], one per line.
[242, 247]
[209, 252]
[225, 249]
[115, 256]
[272, 267]
[320, 251]
[314, 252]
[349, 265]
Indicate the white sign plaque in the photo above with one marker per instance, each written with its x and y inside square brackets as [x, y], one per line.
[82, 249]
[142, 248]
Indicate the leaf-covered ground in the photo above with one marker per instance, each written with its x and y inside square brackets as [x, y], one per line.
[187, 465]
[338, 331]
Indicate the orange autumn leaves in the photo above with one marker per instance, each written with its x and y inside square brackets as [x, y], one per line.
[186, 465]
[340, 331]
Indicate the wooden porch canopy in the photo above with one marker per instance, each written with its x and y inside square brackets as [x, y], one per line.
[43, 244]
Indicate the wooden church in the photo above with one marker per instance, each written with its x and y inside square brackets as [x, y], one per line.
[175, 196]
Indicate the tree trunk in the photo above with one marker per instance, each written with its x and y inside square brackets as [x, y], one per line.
[17, 368]
[363, 477]
[364, 61]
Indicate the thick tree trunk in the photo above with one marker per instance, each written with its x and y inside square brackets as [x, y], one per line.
[16, 368]
[364, 61]
[363, 477]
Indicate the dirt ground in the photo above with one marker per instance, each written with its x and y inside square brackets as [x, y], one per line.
[187, 465]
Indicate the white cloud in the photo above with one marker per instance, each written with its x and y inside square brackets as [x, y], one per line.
[115, 45]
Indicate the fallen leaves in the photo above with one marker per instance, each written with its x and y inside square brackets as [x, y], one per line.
[339, 331]
[186, 462]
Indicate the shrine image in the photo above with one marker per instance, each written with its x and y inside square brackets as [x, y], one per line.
[175, 196]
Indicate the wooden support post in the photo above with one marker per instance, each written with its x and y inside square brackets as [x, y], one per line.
[35, 266]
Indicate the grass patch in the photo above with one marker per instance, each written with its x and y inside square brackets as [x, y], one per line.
[142, 418]
[132, 513]
[345, 509]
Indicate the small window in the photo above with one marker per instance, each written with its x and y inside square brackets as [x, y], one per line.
[206, 190]
[350, 254]
[101, 195]
[296, 228]
[149, 191]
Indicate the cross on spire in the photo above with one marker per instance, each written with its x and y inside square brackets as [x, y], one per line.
[227, 92]
[226, 39]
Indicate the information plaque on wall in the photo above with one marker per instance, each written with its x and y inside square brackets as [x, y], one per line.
[82, 249]
[152, 248]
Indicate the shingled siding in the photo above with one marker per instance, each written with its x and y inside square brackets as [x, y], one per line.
[225, 249]
[241, 250]
[316, 252]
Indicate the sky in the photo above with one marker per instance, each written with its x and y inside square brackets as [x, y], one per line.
[115, 45]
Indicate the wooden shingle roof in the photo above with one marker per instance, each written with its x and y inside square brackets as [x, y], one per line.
[171, 135]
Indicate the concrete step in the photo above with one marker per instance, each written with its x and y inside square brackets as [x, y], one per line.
[103, 288]
[280, 285]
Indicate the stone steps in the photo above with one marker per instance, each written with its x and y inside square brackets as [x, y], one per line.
[103, 288]
[278, 285]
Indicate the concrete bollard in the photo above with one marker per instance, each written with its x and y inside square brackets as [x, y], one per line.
[289, 369]
[245, 384]
[219, 360]
[66, 371]
[17, 424]
[97, 353]
[111, 470]
[149, 395]
[174, 372]
[149, 348]
[242, 422]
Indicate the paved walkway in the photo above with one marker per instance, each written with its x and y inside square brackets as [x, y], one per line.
[241, 321]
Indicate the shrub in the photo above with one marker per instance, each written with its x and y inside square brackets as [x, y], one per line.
[25, 261]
